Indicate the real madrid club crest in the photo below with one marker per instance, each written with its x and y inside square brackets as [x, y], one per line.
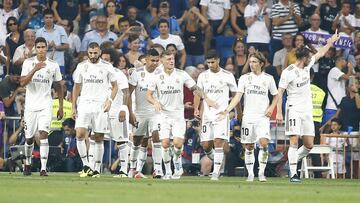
[264, 83]
[249, 78]
[48, 71]
[86, 67]
[142, 74]
[221, 82]
[161, 77]
[177, 80]
[101, 72]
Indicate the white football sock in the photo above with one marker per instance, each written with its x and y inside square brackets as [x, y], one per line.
[218, 159]
[249, 161]
[302, 152]
[165, 153]
[156, 155]
[28, 153]
[91, 154]
[81, 147]
[292, 157]
[262, 159]
[124, 157]
[44, 153]
[134, 152]
[141, 159]
[99, 153]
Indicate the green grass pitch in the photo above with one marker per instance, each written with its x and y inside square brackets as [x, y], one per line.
[68, 187]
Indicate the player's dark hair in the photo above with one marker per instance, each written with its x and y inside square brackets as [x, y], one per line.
[93, 45]
[40, 39]
[302, 52]
[152, 52]
[211, 55]
[48, 12]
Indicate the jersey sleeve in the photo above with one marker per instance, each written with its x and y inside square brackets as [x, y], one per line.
[133, 80]
[111, 73]
[272, 86]
[336, 73]
[232, 84]
[241, 84]
[77, 77]
[284, 79]
[57, 74]
[200, 81]
[123, 81]
[25, 68]
[188, 81]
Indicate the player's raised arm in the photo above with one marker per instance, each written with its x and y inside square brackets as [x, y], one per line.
[322, 51]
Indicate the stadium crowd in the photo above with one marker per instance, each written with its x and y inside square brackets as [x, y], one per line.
[127, 29]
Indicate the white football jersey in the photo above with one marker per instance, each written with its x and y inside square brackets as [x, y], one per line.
[122, 83]
[94, 79]
[38, 90]
[140, 78]
[170, 90]
[296, 81]
[216, 86]
[255, 89]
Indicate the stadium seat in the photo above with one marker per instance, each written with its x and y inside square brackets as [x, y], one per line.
[223, 46]
[306, 163]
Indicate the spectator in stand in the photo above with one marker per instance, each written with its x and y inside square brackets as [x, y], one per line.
[188, 95]
[174, 26]
[328, 12]
[74, 39]
[286, 18]
[306, 9]
[123, 64]
[257, 21]
[67, 10]
[112, 17]
[132, 14]
[201, 67]
[218, 13]
[298, 41]
[10, 90]
[178, 9]
[24, 51]
[56, 37]
[345, 22]
[326, 63]
[99, 35]
[315, 28]
[357, 15]
[233, 158]
[133, 53]
[237, 17]
[143, 7]
[280, 56]
[6, 12]
[349, 109]
[14, 40]
[239, 59]
[86, 8]
[32, 16]
[2, 117]
[336, 88]
[166, 38]
[194, 26]
[174, 51]
[70, 156]
[135, 29]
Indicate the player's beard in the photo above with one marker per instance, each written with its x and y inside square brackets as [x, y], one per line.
[94, 60]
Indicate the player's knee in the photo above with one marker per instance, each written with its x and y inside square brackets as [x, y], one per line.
[137, 140]
[99, 138]
[249, 146]
[178, 145]
[165, 144]
[30, 141]
[309, 145]
[155, 136]
[43, 134]
[207, 146]
[144, 142]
